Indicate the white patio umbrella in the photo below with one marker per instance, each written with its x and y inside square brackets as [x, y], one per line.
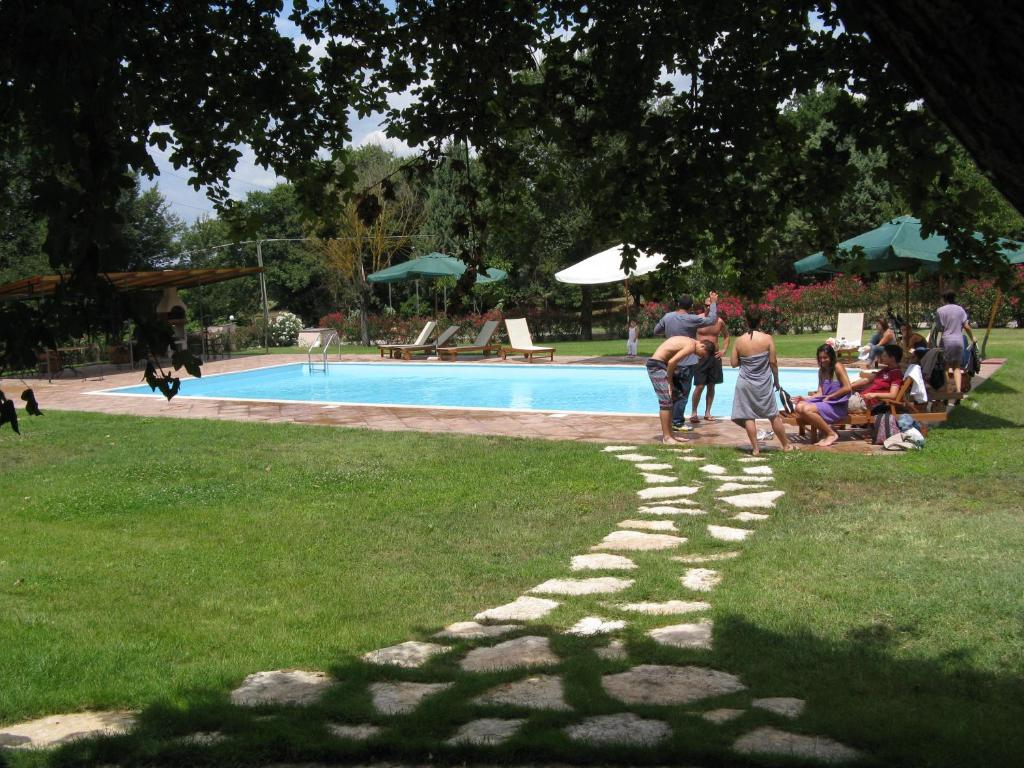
[606, 267]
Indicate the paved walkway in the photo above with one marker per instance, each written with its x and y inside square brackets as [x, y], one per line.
[74, 394]
[691, 512]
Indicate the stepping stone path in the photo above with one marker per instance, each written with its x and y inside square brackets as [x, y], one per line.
[713, 469]
[781, 705]
[410, 654]
[402, 698]
[653, 479]
[748, 459]
[281, 686]
[696, 635]
[653, 467]
[664, 685]
[521, 609]
[728, 487]
[60, 729]
[749, 517]
[529, 651]
[486, 732]
[724, 715]
[635, 457]
[763, 500]
[665, 510]
[667, 492]
[725, 533]
[354, 732]
[614, 651]
[625, 728]
[691, 458]
[771, 741]
[537, 692]
[471, 630]
[712, 558]
[758, 471]
[701, 579]
[600, 585]
[743, 479]
[594, 625]
[617, 448]
[204, 739]
[649, 525]
[601, 562]
[636, 541]
[668, 608]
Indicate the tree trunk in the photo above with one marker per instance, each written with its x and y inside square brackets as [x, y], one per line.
[587, 313]
[364, 293]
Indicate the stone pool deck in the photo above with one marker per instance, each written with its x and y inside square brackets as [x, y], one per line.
[75, 393]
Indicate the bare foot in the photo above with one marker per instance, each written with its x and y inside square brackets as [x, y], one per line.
[828, 440]
[789, 447]
[669, 439]
[756, 451]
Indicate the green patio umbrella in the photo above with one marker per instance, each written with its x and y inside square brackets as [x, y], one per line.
[896, 246]
[431, 265]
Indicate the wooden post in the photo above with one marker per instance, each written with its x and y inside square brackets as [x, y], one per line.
[991, 320]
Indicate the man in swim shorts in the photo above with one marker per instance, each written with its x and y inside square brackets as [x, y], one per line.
[662, 369]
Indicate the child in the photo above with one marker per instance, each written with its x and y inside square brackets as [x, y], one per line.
[631, 340]
[662, 368]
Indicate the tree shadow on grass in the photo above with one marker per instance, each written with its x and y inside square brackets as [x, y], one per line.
[861, 691]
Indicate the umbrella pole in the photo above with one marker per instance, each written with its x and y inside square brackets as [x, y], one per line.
[991, 320]
[625, 285]
[389, 297]
[417, 297]
[906, 300]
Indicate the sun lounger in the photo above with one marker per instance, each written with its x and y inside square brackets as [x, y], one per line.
[520, 342]
[406, 351]
[849, 333]
[395, 349]
[482, 343]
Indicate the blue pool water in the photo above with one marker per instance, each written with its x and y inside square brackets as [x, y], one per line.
[578, 388]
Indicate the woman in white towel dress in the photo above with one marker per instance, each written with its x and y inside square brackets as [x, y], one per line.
[754, 398]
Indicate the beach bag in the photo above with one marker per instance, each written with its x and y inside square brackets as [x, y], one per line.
[885, 427]
[787, 402]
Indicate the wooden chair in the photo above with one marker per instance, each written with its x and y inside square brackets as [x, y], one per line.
[395, 350]
[406, 351]
[481, 344]
[521, 343]
[849, 327]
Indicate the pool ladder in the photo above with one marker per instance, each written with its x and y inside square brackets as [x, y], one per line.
[322, 345]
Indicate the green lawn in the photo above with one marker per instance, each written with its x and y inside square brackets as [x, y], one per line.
[153, 563]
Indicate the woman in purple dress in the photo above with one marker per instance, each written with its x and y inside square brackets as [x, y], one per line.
[827, 405]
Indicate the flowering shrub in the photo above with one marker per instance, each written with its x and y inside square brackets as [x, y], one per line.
[284, 329]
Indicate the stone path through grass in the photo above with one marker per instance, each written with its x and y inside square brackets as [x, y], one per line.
[482, 647]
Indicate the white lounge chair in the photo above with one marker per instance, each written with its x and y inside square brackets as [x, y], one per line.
[520, 342]
[849, 333]
[481, 344]
[395, 350]
[406, 351]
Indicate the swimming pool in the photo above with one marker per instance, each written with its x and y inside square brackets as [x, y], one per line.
[597, 389]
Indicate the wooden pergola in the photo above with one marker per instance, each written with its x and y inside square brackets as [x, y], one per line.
[44, 286]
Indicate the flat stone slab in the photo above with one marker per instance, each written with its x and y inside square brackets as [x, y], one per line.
[691, 458]
[653, 479]
[281, 686]
[752, 459]
[667, 492]
[599, 585]
[536, 692]
[617, 448]
[653, 467]
[594, 625]
[523, 608]
[360, 732]
[528, 651]
[60, 729]
[701, 579]
[397, 698]
[472, 630]
[771, 741]
[649, 525]
[763, 500]
[635, 457]
[614, 651]
[486, 731]
[709, 558]
[744, 479]
[713, 469]
[758, 471]
[749, 517]
[668, 608]
[696, 635]
[732, 487]
[784, 706]
[410, 654]
[624, 728]
[723, 715]
[667, 685]
[726, 533]
[200, 739]
[677, 450]
[669, 510]
[601, 562]
[638, 541]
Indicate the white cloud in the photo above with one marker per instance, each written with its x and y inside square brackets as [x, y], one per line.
[381, 139]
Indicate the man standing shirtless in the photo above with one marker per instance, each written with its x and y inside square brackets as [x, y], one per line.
[662, 369]
[708, 372]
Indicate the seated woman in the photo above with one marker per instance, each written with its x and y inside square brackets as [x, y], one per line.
[911, 340]
[883, 335]
[827, 405]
